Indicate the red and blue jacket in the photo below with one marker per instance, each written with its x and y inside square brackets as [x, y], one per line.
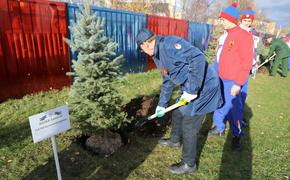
[237, 56]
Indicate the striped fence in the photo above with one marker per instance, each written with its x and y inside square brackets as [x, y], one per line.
[34, 56]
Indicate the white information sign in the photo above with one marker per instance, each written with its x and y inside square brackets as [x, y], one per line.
[50, 123]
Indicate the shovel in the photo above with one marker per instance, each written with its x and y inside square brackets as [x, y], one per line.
[143, 121]
[267, 60]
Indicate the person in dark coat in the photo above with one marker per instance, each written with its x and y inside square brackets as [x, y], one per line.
[282, 53]
[183, 65]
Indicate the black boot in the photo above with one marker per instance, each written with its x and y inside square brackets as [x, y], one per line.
[182, 168]
[167, 142]
[245, 123]
[236, 144]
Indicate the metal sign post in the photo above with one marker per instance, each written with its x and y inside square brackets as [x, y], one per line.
[54, 146]
[48, 124]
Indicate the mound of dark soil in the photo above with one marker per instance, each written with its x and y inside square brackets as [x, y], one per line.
[137, 109]
[263, 70]
[140, 109]
[104, 144]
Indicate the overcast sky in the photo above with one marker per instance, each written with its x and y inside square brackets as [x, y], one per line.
[277, 10]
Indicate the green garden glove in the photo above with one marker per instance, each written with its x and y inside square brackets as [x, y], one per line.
[159, 111]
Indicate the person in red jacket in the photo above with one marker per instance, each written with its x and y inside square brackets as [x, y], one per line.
[235, 63]
[247, 19]
[287, 40]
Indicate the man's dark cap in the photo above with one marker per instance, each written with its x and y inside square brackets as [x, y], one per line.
[143, 35]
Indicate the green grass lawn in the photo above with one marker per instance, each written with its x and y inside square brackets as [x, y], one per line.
[266, 153]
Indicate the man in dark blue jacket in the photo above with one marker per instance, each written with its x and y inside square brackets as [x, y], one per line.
[183, 65]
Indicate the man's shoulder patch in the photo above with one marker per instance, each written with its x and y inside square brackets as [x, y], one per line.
[177, 46]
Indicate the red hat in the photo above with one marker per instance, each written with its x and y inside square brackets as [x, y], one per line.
[231, 13]
[248, 13]
[288, 37]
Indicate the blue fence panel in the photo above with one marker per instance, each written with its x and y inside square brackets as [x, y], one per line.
[199, 34]
[122, 27]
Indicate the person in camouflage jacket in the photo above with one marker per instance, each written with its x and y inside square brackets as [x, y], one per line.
[282, 52]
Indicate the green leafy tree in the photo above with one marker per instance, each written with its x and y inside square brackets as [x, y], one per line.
[94, 103]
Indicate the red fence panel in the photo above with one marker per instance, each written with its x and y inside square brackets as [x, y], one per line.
[8, 68]
[2, 62]
[166, 26]
[33, 54]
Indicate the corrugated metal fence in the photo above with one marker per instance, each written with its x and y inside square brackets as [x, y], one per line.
[34, 57]
[199, 34]
[166, 26]
[122, 27]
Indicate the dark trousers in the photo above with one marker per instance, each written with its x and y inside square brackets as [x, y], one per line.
[185, 129]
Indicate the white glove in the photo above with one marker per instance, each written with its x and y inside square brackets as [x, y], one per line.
[188, 97]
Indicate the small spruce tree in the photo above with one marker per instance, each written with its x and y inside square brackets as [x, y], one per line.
[262, 50]
[211, 51]
[94, 104]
